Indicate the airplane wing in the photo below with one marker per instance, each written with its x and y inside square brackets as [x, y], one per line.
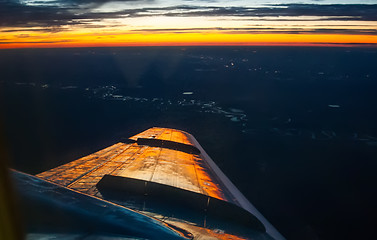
[166, 175]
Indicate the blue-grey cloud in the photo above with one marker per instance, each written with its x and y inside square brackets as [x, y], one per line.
[254, 30]
[356, 11]
[346, 11]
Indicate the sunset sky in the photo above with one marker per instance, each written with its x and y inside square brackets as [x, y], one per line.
[80, 23]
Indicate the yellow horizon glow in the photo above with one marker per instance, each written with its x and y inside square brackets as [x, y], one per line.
[191, 31]
[114, 39]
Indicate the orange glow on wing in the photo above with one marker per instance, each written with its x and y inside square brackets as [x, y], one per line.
[165, 166]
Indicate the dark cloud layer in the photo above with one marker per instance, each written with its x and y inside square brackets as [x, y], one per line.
[359, 11]
[34, 42]
[347, 11]
[57, 17]
[254, 30]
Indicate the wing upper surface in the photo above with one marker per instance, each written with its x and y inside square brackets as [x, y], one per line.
[154, 164]
[161, 163]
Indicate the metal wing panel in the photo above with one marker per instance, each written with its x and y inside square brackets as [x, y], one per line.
[156, 164]
[160, 159]
[70, 172]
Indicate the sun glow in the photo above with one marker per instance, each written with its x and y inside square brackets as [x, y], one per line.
[90, 39]
[115, 24]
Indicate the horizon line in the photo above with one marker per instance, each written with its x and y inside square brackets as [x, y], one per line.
[62, 46]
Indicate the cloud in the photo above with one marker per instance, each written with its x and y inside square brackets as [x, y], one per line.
[345, 44]
[72, 12]
[34, 42]
[261, 30]
[346, 11]
[16, 14]
[355, 11]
